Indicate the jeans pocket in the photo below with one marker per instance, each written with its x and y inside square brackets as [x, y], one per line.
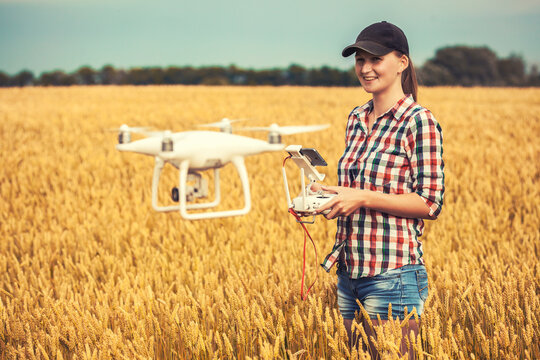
[422, 281]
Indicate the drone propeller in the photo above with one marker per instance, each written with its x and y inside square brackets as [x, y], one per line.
[125, 131]
[143, 130]
[275, 131]
[224, 125]
[288, 130]
[132, 129]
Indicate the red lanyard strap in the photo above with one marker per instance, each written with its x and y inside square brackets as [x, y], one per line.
[306, 235]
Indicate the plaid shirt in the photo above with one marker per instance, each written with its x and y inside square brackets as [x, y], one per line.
[402, 154]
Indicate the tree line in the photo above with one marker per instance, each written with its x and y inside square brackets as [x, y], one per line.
[456, 66]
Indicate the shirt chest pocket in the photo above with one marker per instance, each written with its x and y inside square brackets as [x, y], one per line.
[384, 172]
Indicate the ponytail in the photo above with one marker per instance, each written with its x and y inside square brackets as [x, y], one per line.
[409, 82]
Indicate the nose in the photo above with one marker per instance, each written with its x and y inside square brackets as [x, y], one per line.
[365, 67]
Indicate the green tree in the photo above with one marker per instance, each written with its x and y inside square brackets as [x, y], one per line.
[212, 75]
[4, 79]
[108, 75]
[172, 75]
[468, 66]
[272, 77]
[297, 75]
[86, 76]
[191, 76]
[139, 76]
[57, 78]
[215, 80]
[325, 76]
[432, 74]
[533, 79]
[349, 78]
[512, 70]
[23, 78]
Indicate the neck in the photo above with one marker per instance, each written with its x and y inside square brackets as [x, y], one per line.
[385, 100]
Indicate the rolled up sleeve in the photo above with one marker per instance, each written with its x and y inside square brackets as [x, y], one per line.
[426, 157]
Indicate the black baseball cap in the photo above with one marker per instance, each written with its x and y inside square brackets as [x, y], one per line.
[379, 39]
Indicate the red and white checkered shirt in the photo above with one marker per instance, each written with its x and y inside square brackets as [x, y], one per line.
[402, 154]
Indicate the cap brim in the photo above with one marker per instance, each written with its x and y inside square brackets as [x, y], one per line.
[369, 46]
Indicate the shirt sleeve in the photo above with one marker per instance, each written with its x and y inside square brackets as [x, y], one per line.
[426, 156]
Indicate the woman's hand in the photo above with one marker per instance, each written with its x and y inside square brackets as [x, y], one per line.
[345, 202]
[348, 200]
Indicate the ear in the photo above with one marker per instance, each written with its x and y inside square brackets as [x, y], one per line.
[403, 63]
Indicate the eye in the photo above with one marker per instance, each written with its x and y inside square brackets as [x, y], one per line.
[376, 58]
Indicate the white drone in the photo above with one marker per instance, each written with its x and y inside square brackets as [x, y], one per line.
[194, 151]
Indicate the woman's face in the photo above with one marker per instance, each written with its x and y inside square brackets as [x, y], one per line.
[379, 73]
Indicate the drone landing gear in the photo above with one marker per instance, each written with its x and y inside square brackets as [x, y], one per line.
[238, 162]
[198, 190]
[184, 192]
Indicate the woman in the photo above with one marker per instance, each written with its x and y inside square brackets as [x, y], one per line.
[390, 179]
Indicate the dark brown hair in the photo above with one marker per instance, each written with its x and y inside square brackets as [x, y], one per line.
[408, 80]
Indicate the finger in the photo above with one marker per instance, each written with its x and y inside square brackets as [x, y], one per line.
[332, 214]
[333, 210]
[348, 212]
[326, 206]
[332, 189]
[314, 187]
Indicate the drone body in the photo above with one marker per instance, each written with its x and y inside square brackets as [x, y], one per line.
[204, 149]
[194, 151]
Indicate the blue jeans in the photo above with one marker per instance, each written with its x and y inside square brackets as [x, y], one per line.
[404, 287]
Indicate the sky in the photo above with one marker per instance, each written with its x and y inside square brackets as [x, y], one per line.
[47, 35]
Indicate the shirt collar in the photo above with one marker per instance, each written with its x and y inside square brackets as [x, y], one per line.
[401, 106]
[397, 110]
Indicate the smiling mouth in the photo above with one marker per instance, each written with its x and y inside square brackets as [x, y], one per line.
[369, 78]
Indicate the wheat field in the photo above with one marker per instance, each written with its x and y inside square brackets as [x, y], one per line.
[90, 271]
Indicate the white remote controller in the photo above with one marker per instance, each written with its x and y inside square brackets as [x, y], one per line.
[307, 203]
[306, 206]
